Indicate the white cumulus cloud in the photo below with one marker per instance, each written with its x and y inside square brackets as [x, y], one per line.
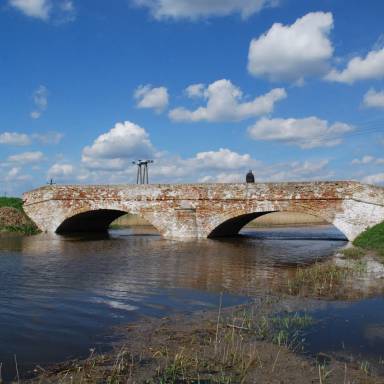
[61, 171]
[124, 141]
[13, 138]
[224, 158]
[33, 8]
[187, 9]
[293, 52]
[377, 178]
[308, 132]
[225, 102]
[373, 99]
[57, 10]
[358, 68]
[26, 157]
[156, 98]
[195, 90]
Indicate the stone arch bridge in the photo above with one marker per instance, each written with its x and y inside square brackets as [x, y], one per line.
[203, 210]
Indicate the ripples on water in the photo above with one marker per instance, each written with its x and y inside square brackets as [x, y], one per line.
[59, 295]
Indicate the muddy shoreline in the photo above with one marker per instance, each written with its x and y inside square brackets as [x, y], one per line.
[229, 345]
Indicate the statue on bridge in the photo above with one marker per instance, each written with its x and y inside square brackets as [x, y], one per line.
[250, 178]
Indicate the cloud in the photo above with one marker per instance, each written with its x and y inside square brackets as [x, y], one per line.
[364, 160]
[12, 178]
[48, 137]
[296, 170]
[13, 138]
[225, 102]
[223, 159]
[377, 178]
[26, 157]
[124, 141]
[40, 99]
[195, 90]
[34, 8]
[151, 97]
[368, 159]
[196, 9]
[61, 171]
[223, 177]
[358, 68]
[373, 99]
[307, 133]
[58, 11]
[295, 51]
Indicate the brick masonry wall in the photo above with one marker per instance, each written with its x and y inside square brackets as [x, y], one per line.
[195, 210]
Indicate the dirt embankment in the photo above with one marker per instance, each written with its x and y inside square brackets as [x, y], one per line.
[12, 217]
[15, 220]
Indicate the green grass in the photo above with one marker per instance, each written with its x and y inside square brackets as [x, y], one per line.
[353, 253]
[372, 239]
[318, 279]
[13, 202]
[26, 229]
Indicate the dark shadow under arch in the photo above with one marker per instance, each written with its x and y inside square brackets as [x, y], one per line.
[232, 226]
[90, 221]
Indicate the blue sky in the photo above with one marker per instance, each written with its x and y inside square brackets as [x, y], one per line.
[209, 89]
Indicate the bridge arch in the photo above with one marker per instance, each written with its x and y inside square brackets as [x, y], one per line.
[92, 220]
[231, 223]
[97, 220]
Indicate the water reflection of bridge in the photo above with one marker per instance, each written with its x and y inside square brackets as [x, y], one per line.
[133, 266]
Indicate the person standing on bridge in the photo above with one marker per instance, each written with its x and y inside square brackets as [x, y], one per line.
[250, 178]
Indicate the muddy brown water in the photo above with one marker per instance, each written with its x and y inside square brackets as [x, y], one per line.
[61, 296]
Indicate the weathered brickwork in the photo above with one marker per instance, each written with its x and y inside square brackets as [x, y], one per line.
[203, 210]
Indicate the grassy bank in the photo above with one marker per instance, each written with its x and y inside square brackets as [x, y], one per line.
[13, 218]
[372, 239]
[12, 202]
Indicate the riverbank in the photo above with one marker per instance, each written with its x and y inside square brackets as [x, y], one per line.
[274, 219]
[372, 240]
[13, 219]
[257, 342]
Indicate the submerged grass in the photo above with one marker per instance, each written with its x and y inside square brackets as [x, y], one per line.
[353, 253]
[372, 239]
[318, 280]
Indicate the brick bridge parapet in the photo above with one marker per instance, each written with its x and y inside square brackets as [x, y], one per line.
[203, 210]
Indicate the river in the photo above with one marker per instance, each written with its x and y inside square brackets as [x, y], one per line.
[61, 296]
